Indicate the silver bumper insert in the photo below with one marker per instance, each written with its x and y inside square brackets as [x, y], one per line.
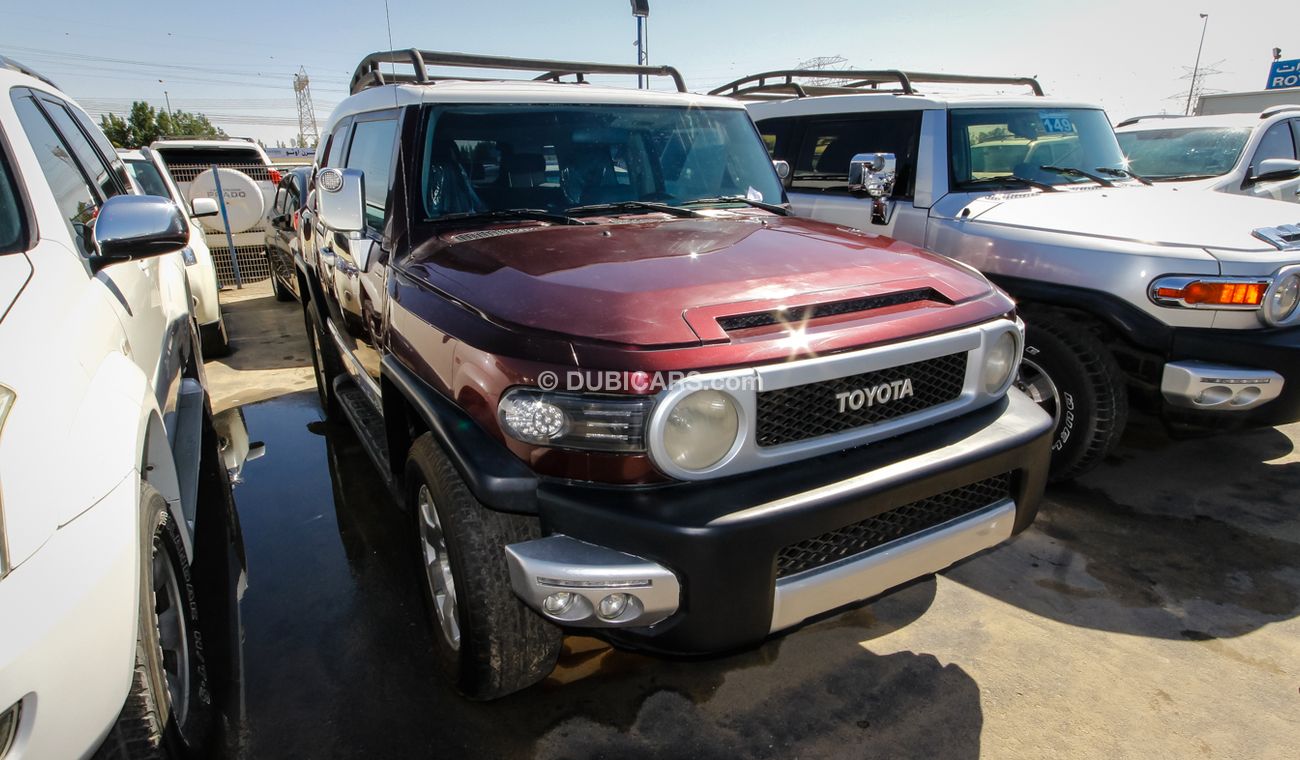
[1198, 385]
[580, 576]
[852, 579]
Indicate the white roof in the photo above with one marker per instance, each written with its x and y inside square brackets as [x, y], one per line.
[218, 142]
[516, 91]
[1249, 120]
[889, 101]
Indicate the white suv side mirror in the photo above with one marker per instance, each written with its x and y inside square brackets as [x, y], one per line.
[341, 196]
[203, 207]
[1276, 168]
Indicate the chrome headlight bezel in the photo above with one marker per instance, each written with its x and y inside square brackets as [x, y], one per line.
[1282, 280]
[1016, 336]
[662, 449]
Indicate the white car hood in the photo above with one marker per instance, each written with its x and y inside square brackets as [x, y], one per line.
[1151, 215]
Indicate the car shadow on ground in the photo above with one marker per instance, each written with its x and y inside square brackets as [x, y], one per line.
[267, 334]
[339, 664]
[1178, 539]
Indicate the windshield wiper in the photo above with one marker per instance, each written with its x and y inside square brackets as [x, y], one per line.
[1014, 178]
[775, 209]
[1071, 171]
[1113, 172]
[1181, 177]
[535, 214]
[662, 208]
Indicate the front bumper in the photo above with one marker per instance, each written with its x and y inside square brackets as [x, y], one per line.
[722, 540]
[1271, 353]
[67, 646]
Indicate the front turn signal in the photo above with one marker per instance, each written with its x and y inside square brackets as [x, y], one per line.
[1209, 292]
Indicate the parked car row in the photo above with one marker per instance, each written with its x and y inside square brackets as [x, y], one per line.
[466, 244]
[677, 370]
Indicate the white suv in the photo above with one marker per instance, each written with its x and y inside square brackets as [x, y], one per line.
[104, 425]
[151, 176]
[248, 183]
[1132, 293]
[1242, 153]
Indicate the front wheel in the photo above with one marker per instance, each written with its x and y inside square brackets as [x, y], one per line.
[1070, 374]
[168, 711]
[486, 640]
[325, 361]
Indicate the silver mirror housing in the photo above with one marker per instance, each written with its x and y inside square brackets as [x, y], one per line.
[873, 174]
[1275, 169]
[203, 207]
[341, 197]
[782, 169]
[136, 227]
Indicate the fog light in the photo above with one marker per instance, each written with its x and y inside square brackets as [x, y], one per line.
[612, 606]
[558, 603]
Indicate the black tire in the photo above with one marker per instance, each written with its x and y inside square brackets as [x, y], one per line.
[1084, 390]
[503, 645]
[325, 361]
[168, 711]
[216, 341]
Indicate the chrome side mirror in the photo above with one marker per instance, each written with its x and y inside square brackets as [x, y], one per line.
[202, 207]
[873, 174]
[341, 196]
[132, 227]
[782, 169]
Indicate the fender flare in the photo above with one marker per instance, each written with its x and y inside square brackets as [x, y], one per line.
[1128, 321]
[495, 476]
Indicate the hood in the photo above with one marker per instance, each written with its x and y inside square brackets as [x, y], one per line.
[1151, 215]
[632, 282]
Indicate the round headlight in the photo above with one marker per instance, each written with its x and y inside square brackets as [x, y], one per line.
[1282, 303]
[999, 362]
[700, 429]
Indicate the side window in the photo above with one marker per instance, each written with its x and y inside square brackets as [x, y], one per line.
[1277, 143]
[277, 206]
[77, 203]
[292, 196]
[106, 148]
[13, 232]
[372, 153]
[776, 136]
[334, 153]
[105, 179]
[822, 163]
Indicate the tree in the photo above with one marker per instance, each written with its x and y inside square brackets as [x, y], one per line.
[145, 124]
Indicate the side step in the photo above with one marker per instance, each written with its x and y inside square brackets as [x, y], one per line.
[369, 426]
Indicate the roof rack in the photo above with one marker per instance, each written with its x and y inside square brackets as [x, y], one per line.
[207, 137]
[1274, 110]
[368, 74]
[1136, 119]
[772, 85]
[8, 63]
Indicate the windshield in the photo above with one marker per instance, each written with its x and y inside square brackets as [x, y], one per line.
[147, 177]
[484, 158]
[1190, 152]
[992, 145]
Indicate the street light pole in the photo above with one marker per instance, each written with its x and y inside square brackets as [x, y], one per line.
[641, 10]
[1187, 110]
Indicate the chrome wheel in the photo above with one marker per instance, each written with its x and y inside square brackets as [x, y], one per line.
[1038, 386]
[172, 634]
[437, 568]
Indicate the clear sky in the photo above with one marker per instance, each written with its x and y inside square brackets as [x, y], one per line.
[234, 60]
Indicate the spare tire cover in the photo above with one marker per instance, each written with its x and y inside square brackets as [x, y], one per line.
[244, 202]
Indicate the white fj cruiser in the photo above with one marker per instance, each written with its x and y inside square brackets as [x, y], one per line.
[105, 440]
[1183, 302]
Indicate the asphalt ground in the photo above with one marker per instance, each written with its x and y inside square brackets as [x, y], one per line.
[1150, 612]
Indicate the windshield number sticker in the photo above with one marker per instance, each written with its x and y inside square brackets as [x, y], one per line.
[1056, 123]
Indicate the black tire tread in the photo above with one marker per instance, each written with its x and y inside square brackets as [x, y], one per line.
[505, 646]
[1104, 377]
[327, 359]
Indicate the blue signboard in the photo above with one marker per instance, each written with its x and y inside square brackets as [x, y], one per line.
[1284, 74]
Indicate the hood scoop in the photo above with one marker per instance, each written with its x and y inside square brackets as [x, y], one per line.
[466, 237]
[803, 314]
[1285, 237]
